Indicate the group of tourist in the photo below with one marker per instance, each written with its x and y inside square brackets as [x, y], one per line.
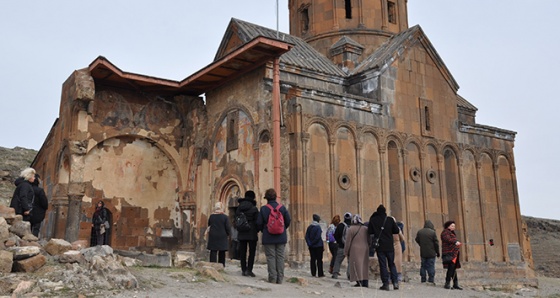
[271, 220]
[382, 235]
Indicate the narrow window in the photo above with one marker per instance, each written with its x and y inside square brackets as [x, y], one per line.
[427, 116]
[304, 20]
[348, 7]
[232, 131]
[392, 12]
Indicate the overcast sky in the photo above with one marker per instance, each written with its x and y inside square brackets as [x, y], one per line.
[503, 54]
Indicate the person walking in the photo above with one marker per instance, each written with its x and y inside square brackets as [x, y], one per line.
[398, 240]
[314, 239]
[450, 246]
[40, 206]
[22, 199]
[384, 227]
[273, 240]
[356, 250]
[99, 218]
[248, 206]
[333, 246]
[340, 237]
[218, 235]
[429, 250]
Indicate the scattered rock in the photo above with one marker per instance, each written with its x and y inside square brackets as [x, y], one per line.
[6, 261]
[57, 246]
[30, 264]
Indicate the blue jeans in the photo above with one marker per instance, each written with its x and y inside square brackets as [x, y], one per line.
[387, 258]
[428, 265]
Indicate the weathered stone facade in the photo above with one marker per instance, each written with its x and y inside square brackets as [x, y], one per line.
[368, 114]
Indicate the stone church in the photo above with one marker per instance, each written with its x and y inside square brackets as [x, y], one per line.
[352, 109]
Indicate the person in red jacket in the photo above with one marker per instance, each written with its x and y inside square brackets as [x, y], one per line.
[450, 245]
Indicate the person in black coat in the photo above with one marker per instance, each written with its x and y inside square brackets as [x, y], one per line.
[340, 237]
[22, 200]
[383, 226]
[248, 206]
[219, 226]
[100, 216]
[40, 206]
[314, 240]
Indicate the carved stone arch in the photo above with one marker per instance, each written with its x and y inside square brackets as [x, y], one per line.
[264, 136]
[369, 130]
[395, 138]
[489, 153]
[348, 126]
[231, 189]
[451, 147]
[413, 140]
[323, 123]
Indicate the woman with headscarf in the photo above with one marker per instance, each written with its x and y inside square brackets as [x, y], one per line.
[99, 219]
[219, 226]
[357, 251]
[450, 246]
[397, 239]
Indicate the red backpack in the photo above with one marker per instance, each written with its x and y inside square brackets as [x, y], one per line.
[275, 224]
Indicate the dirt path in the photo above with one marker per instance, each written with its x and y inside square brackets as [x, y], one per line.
[168, 282]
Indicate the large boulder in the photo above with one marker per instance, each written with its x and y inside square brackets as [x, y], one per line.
[21, 228]
[30, 264]
[6, 261]
[24, 252]
[56, 247]
[7, 212]
[4, 230]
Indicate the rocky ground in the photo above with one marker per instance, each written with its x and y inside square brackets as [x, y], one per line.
[160, 282]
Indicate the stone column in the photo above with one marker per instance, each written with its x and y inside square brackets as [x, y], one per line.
[73, 217]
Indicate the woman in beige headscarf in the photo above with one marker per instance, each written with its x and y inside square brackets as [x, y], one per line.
[219, 230]
[397, 238]
[356, 250]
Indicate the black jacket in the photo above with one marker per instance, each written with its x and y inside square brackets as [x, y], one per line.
[40, 203]
[219, 232]
[428, 241]
[340, 233]
[249, 208]
[374, 228]
[22, 200]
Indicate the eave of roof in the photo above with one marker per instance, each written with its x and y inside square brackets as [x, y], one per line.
[251, 55]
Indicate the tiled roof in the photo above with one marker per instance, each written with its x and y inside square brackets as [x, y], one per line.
[384, 54]
[462, 102]
[302, 54]
[346, 40]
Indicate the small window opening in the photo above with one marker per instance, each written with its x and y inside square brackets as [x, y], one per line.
[348, 7]
[427, 120]
[304, 20]
[232, 131]
[392, 12]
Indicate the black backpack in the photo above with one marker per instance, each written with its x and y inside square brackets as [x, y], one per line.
[241, 223]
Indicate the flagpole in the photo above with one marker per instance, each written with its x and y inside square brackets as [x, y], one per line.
[277, 27]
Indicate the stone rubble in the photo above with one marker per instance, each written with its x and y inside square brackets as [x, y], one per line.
[30, 267]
